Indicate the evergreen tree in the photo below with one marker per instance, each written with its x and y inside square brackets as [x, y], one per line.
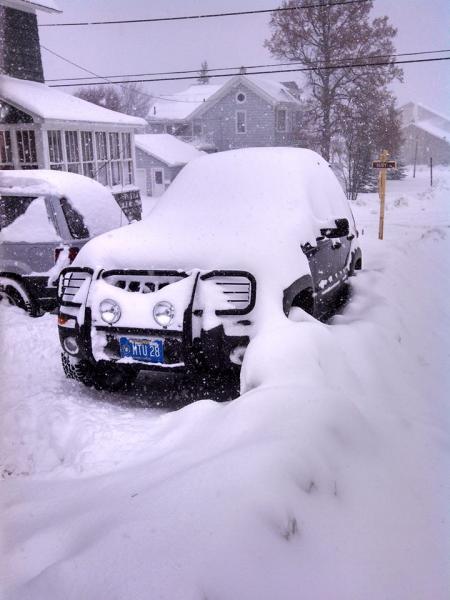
[203, 76]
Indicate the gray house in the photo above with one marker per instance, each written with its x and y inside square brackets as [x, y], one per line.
[426, 134]
[245, 111]
[159, 159]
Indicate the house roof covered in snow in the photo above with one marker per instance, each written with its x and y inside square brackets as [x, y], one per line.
[167, 148]
[191, 102]
[181, 104]
[47, 103]
[32, 5]
[427, 119]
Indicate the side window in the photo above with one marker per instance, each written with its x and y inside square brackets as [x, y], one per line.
[74, 220]
[12, 207]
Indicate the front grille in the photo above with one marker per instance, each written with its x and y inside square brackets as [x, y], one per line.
[143, 282]
[73, 285]
[238, 289]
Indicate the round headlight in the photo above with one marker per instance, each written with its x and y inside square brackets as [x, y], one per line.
[163, 313]
[110, 311]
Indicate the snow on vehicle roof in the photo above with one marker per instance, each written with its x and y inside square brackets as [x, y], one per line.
[92, 200]
[167, 148]
[48, 103]
[248, 209]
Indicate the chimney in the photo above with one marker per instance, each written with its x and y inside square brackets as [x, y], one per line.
[20, 53]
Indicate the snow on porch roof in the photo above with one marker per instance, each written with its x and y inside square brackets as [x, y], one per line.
[167, 148]
[31, 5]
[50, 104]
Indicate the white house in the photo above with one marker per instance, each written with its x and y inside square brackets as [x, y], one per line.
[43, 128]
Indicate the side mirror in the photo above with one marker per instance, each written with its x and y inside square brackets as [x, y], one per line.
[342, 229]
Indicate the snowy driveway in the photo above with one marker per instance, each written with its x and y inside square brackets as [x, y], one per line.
[327, 480]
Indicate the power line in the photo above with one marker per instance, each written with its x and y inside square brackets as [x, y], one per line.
[229, 68]
[205, 16]
[311, 68]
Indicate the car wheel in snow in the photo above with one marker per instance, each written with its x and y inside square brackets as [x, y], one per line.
[14, 293]
[112, 378]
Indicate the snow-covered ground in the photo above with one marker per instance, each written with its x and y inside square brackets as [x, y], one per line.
[327, 480]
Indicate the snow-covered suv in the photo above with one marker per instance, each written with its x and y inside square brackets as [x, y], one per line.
[45, 218]
[238, 238]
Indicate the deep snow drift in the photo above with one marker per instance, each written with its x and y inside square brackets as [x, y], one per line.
[327, 479]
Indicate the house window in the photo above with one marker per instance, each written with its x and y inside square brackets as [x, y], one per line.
[6, 160]
[241, 97]
[114, 148]
[127, 166]
[72, 152]
[241, 121]
[55, 150]
[282, 119]
[26, 144]
[102, 157]
[87, 153]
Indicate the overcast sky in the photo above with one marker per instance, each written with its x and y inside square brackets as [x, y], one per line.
[225, 42]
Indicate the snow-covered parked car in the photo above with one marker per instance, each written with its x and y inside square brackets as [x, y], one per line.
[45, 218]
[238, 237]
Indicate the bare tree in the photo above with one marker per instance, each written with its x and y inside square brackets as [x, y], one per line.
[329, 35]
[134, 100]
[203, 76]
[103, 95]
[128, 98]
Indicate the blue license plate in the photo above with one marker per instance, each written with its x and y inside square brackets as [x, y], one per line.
[151, 351]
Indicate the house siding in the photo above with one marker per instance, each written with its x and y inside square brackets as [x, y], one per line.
[148, 162]
[219, 122]
[427, 146]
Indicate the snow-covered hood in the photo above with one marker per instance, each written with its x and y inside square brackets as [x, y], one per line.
[247, 209]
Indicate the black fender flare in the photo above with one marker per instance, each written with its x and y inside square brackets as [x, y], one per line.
[356, 256]
[297, 287]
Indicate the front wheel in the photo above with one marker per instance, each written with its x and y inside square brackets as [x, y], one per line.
[101, 376]
[15, 293]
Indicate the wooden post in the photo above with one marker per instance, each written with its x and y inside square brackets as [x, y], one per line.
[431, 171]
[382, 193]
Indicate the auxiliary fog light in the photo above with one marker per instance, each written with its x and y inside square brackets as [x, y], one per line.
[163, 313]
[71, 345]
[110, 311]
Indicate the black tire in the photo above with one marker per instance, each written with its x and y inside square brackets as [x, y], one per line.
[101, 376]
[16, 294]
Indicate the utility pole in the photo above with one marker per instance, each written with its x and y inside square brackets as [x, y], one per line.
[415, 159]
[431, 171]
[382, 164]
